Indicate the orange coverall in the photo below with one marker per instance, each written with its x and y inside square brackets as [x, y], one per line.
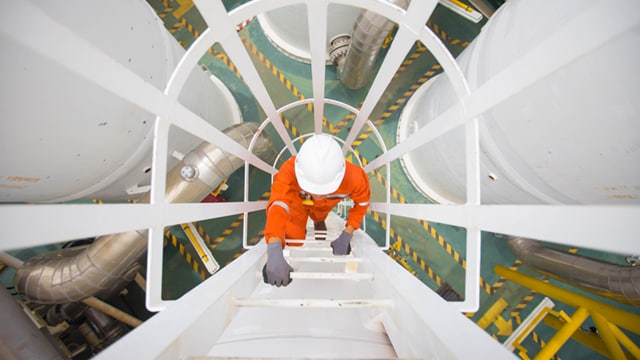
[287, 215]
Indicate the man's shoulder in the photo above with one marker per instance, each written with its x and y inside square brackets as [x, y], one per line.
[352, 168]
[289, 164]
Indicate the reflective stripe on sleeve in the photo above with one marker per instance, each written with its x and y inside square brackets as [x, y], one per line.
[363, 204]
[281, 204]
[337, 196]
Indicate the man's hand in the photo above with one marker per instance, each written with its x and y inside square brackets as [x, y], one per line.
[342, 245]
[276, 271]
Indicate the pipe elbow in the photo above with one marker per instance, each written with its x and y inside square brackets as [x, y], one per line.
[620, 283]
[68, 275]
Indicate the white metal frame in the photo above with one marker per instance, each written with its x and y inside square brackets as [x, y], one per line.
[32, 225]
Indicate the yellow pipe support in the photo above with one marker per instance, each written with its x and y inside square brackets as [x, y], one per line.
[521, 351]
[625, 341]
[491, 314]
[563, 335]
[614, 315]
[590, 340]
[615, 351]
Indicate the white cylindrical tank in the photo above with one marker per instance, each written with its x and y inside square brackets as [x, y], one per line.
[572, 137]
[65, 138]
[288, 27]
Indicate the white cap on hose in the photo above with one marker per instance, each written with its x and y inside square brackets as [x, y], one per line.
[320, 165]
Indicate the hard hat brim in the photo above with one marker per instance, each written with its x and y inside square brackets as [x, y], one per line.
[320, 189]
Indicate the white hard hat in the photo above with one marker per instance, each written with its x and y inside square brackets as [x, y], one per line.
[320, 165]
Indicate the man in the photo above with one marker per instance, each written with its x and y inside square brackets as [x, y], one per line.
[311, 184]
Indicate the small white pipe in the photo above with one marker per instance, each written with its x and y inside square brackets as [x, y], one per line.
[10, 260]
[112, 311]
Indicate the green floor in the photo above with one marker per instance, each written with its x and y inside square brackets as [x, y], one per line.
[434, 252]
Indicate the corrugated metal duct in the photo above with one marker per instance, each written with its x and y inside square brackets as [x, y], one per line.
[620, 283]
[71, 275]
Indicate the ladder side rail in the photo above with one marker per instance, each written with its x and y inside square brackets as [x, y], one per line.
[425, 324]
[177, 331]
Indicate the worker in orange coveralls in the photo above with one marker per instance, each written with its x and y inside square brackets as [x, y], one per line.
[310, 185]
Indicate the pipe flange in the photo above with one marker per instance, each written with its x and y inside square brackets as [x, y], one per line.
[634, 260]
[189, 173]
[339, 47]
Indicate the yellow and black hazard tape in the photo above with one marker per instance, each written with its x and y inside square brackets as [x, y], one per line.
[234, 225]
[203, 233]
[404, 246]
[289, 125]
[167, 9]
[185, 252]
[425, 224]
[410, 59]
[183, 24]
[225, 59]
[515, 315]
[254, 240]
[488, 288]
[500, 282]
[287, 83]
[526, 300]
[444, 36]
[538, 340]
[362, 158]
[332, 128]
[349, 118]
[434, 70]
[275, 71]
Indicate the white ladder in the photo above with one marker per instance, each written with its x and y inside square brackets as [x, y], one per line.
[362, 306]
[329, 310]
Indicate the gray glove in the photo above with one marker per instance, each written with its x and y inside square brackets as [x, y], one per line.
[342, 245]
[276, 271]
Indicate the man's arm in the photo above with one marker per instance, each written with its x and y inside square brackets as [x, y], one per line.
[349, 229]
[360, 195]
[277, 210]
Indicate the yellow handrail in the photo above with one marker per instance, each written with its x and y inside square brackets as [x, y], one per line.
[614, 315]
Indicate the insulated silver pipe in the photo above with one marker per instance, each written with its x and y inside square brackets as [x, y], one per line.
[71, 275]
[369, 33]
[620, 283]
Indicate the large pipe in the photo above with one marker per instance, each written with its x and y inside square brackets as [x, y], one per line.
[71, 275]
[620, 283]
[19, 338]
[542, 141]
[369, 33]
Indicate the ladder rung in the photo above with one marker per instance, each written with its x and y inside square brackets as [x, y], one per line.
[320, 259]
[310, 241]
[331, 276]
[327, 275]
[313, 303]
[310, 248]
